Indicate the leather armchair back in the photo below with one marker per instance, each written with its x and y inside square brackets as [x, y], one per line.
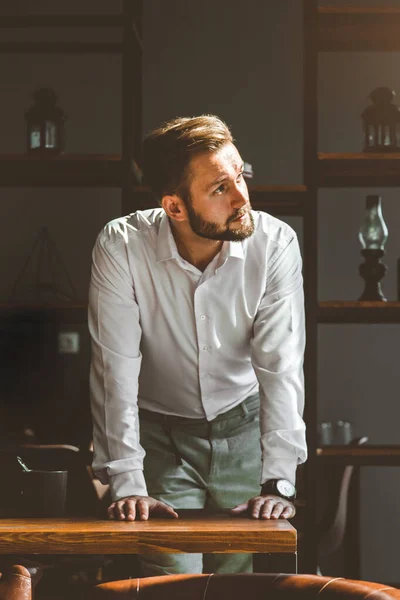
[249, 586]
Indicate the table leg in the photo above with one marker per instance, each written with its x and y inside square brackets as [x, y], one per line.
[275, 563]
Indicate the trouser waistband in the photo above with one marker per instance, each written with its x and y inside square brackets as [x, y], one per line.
[169, 422]
[172, 420]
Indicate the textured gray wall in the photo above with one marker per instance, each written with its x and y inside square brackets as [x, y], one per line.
[244, 64]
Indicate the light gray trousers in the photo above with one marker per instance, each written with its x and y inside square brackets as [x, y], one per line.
[194, 464]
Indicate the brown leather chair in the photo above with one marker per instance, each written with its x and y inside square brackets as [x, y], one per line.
[254, 586]
[15, 584]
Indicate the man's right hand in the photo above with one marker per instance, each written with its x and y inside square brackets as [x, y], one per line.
[139, 507]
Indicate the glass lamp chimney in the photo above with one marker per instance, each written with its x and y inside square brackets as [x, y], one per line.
[373, 231]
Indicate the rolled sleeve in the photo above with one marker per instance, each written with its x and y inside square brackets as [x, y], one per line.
[277, 355]
[116, 333]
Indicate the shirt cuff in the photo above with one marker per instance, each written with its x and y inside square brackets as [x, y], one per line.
[278, 468]
[130, 483]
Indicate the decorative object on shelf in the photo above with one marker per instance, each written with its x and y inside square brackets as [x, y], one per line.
[44, 279]
[248, 172]
[343, 432]
[325, 433]
[338, 433]
[45, 124]
[373, 235]
[381, 122]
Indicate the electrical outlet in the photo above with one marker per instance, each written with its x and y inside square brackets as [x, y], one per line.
[68, 342]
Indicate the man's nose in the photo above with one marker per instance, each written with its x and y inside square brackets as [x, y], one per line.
[241, 197]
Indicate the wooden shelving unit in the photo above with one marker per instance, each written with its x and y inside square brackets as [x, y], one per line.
[80, 170]
[339, 29]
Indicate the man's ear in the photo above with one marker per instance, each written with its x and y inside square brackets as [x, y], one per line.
[174, 207]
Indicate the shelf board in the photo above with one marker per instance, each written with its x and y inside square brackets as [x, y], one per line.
[68, 313]
[279, 199]
[107, 170]
[28, 21]
[366, 455]
[359, 169]
[274, 199]
[66, 170]
[358, 312]
[60, 47]
[352, 29]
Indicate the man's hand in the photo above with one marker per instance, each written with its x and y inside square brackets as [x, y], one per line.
[139, 507]
[266, 507]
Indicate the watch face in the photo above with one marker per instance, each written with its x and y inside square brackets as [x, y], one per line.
[285, 488]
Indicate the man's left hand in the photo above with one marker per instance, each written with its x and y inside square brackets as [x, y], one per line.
[266, 507]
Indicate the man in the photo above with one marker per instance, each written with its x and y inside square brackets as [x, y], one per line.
[197, 323]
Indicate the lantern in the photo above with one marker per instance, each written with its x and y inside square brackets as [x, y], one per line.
[373, 235]
[381, 122]
[45, 124]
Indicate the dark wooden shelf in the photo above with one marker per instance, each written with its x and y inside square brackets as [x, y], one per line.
[358, 312]
[366, 455]
[21, 170]
[274, 199]
[28, 21]
[351, 29]
[60, 47]
[107, 170]
[358, 169]
[279, 199]
[68, 313]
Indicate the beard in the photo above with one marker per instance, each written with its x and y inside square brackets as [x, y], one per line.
[212, 231]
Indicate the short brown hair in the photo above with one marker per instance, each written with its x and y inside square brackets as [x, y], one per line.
[167, 151]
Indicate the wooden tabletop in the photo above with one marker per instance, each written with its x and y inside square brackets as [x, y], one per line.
[215, 534]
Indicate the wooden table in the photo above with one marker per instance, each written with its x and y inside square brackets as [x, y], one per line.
[273, 543]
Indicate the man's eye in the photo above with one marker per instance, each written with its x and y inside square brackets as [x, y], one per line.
[220, 189]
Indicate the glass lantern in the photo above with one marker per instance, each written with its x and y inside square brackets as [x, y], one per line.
[373, 235]
[373, 231]
[381, 122]
[45, 123]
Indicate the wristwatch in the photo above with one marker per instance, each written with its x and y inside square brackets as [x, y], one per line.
[279, 487]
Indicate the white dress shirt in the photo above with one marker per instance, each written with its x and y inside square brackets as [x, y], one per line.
[172, 339]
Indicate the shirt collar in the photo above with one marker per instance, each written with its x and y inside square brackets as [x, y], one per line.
[166, 246]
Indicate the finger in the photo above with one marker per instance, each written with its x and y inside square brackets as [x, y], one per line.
[163, 508]
[171, 512]
[267, 510]
[289, 512]
[277, 510]
[130, 510]
[258, 506]
[119, 510]
[143, 509]
[240, 508]
[110, 511]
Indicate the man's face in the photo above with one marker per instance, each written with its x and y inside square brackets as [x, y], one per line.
[218, 206]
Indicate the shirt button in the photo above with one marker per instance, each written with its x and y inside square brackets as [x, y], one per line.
[205, 348]
[203, 317]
